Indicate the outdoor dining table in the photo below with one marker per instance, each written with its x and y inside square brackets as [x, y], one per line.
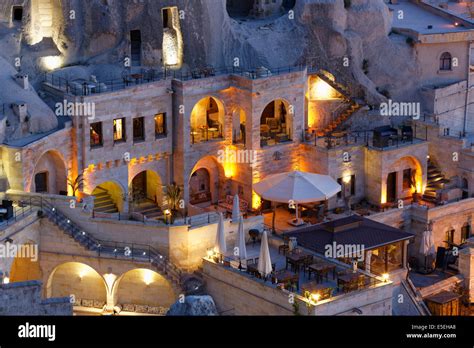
[287, 276]
[321, 269]
[313, 287]
[295, 259]
[348, 279]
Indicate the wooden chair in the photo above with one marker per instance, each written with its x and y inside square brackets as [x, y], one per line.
[285, 247]
[308, 261]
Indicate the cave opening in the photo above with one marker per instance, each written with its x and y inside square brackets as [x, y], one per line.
[258, 9]
[136, 47]
[17, 13]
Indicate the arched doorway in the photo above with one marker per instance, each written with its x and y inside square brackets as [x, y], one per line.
[206, 181]
[403, 180]
[79, 280]
[50, 175]
[276, 123]
[143, 287]
[146, 191]
[26, 265]
[207, 120]
[108, 198]
[238, 126]
[244, 9]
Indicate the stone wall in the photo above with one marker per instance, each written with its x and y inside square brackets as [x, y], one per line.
[25, 299]
[241, 295]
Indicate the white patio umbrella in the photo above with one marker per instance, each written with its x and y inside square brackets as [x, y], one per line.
[297, 187]
[242, 248]
[235, 209]
[220, 246]
[427, 245]
[264, 259]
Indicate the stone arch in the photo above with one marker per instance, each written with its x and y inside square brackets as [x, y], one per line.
[146, 185]
[217, 180]
[143, 286]
[445, 61]
[207, 121]
[399, 170]
[50, 174]
[46, 20]
[109, 196]
[26, 265]
[77, 279]
[276, 122]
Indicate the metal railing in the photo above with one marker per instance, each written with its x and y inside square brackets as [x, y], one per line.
[81, 87]
[106, 249]
[19, 213]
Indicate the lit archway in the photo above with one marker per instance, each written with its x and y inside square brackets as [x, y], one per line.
[50, 174]
[206, 181]
[108, 198]
[78, 280]
[146, 193]
[276, 123]
[403, 178]
[207, 120]
[239, 119]
[143, 287]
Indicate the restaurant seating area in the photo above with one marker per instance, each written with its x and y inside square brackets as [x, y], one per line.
[300, 271]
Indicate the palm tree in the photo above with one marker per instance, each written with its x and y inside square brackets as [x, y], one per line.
[76, 184]
[173, 199]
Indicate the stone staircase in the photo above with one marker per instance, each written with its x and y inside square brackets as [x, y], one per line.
[111, 249]
[436, 182]
[103, 202]
[339, 120]
[149, 209]
[45, 12]
[346, 92]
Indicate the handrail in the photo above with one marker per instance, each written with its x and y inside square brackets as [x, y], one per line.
[119, 250]
[82, 87]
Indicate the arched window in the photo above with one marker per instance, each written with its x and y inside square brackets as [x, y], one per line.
[445, 62]
[276, 123]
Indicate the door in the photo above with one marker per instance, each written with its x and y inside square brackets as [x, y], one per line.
[139, 187]
[136, 47]
[41, 182]
[392, 187]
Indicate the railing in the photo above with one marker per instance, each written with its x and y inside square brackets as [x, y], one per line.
[19, 213]
[83, 88]
[108, 249]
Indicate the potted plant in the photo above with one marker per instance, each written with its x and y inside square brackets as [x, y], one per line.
[173, 199]
[76, 184]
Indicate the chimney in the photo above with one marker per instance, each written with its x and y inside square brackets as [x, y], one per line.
[20, 109]
[22, 80]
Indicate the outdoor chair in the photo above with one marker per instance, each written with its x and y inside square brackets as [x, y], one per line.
[285, 247]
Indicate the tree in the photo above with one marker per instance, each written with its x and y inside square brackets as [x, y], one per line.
[173, 199]
[76, 184]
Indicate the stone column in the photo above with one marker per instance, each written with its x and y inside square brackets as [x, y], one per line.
[405, 253]
[466, 268]
[368, 257]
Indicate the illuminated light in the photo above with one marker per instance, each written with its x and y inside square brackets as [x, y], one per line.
[383, 198]
[144, 253]
[210, 253]
[82, 274]
[6, 280]
[51, 62]
[110, 280]
[256, 201]
[83, 233]
[385, 277]
[115, 250]
[172, 40]
[167, 212]
[68, 221]
[456, 24]
[320, 90]
[315, 297]
[346, 179]
[147, 277]
[54, 209]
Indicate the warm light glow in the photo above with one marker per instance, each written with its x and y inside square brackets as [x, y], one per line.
[256, 201]
[6, 280]
[385, 277]
[320, 90]
[147, 277]
[383, 199]
[167, 212]
[315, 297]
[51, 62]
[210, 253]
[82, 274]
[110, 280]
[172, 40]
[346, 179]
